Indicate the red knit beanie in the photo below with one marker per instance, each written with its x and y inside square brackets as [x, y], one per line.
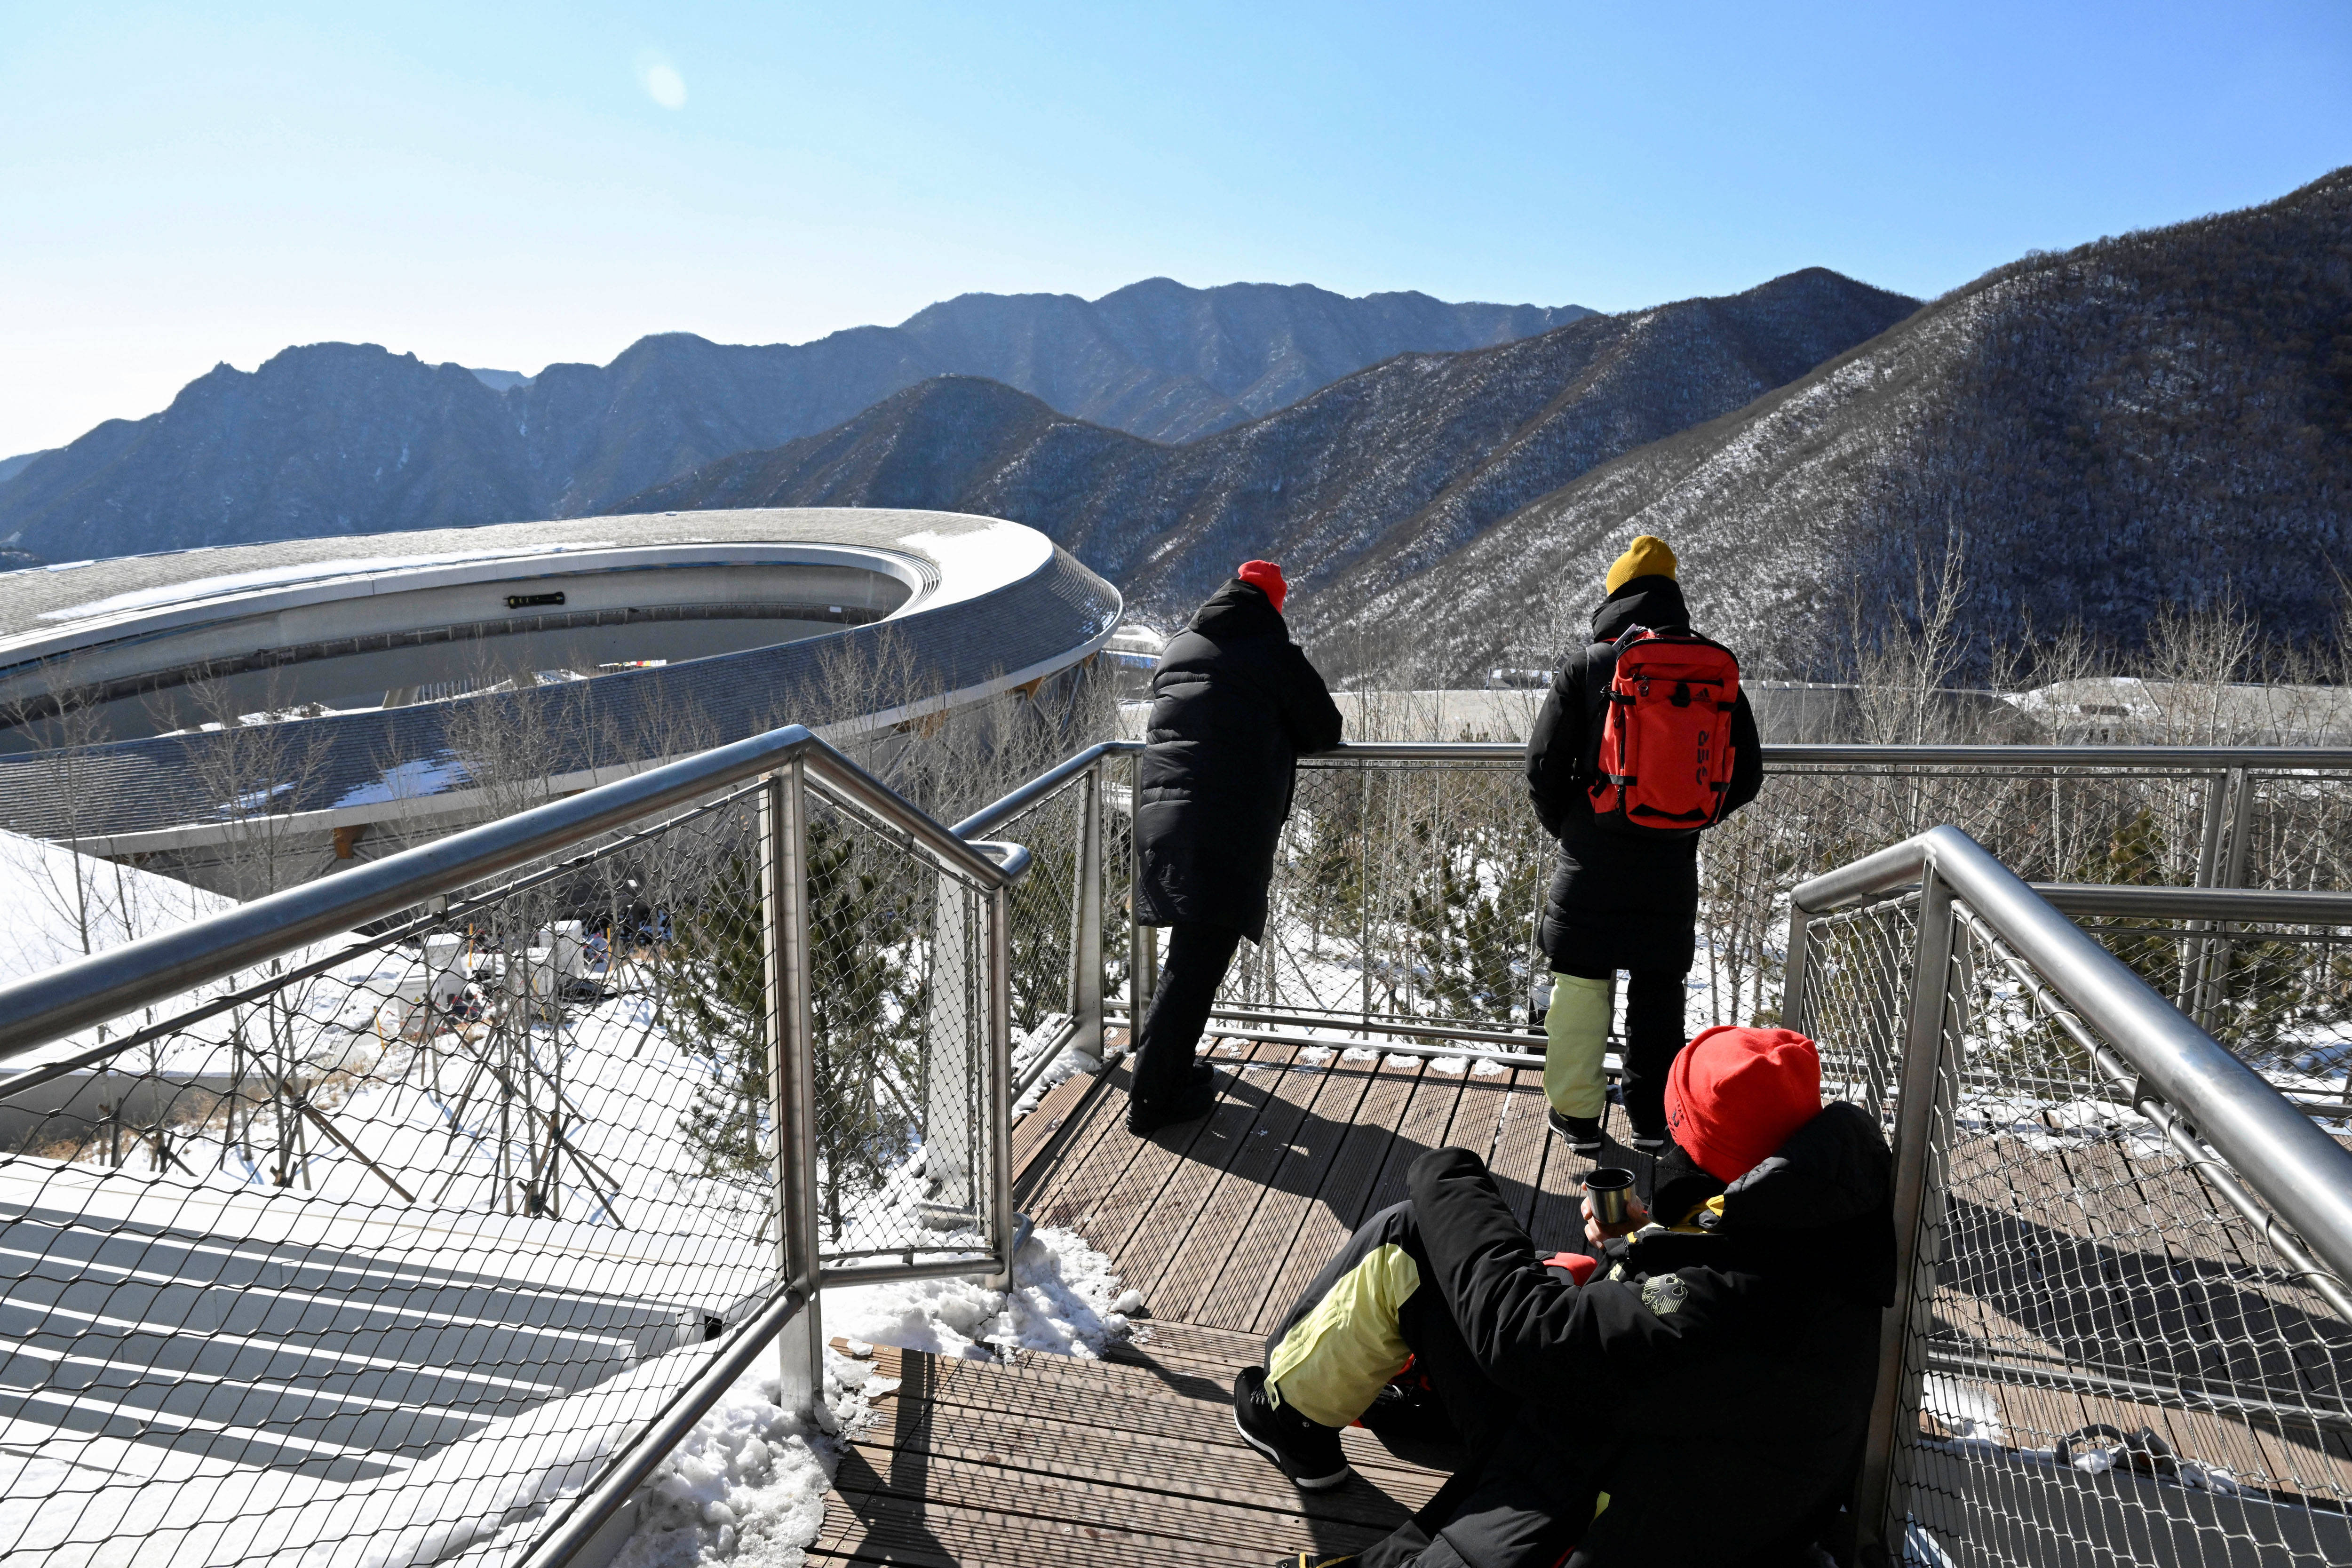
[1734, 1096]
[1266, 574]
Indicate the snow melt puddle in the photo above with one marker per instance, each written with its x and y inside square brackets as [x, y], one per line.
[748, 1484]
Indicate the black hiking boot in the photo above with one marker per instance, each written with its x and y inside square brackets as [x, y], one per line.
[1194, 1101]
[1648, 1142]
[1582, 1132]
[1301, 1449]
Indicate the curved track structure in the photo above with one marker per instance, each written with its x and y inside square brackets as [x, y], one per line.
[347, 689]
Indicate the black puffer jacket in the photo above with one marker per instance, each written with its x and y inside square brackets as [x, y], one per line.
[1618, 902]
[1233, 703]
[1714, 1383]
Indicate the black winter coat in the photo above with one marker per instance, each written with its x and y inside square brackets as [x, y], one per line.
[1233, 703]
[1618, 902]
[1716, 1382]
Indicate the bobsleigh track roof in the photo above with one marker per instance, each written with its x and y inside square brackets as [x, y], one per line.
[966, 606]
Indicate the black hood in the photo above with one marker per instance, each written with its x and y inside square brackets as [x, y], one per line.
[1238, 609]
[1819, 1214]
[1825, 1203]
[1654, 601]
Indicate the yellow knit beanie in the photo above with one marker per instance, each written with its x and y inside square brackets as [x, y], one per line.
[1645, 557]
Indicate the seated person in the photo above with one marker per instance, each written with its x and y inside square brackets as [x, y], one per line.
[1698, 1394]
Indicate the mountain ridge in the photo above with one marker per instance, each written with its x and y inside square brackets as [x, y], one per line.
[2162, 417]
[1391, 465]
[338, 437]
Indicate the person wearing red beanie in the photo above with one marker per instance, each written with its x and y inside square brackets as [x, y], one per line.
[1267, 578]
[1695, 1394]
[1235, 704]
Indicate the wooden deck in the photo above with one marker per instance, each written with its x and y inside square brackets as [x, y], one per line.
[1219, 1224]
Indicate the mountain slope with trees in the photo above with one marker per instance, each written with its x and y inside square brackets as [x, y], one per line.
[347, 439]
[1369, 479]
[2163, 418]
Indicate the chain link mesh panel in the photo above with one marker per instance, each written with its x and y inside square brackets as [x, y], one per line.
[369, 1254]
[1411, 892]
[2109, 1365]
[899, 1012]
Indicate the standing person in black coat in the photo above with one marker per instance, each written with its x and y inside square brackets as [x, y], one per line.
[1619, 900]
[1233, 704]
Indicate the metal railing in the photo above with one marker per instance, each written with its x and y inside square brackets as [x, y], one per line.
[1411, 876]
[2122, 1321]
[541, 991]
[420, 1209]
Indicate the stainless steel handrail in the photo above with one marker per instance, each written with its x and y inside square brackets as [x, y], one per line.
[2272, 905]
[1000, 811]
[2298, 1170]
[122, 979]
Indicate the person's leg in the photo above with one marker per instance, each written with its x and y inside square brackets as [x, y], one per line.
[1576, 1034]
[1655, 1025]
[1196, 965]
[1353, 1331]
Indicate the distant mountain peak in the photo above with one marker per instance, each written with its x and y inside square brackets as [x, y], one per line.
[341, 438]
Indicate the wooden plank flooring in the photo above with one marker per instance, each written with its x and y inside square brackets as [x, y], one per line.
[1221, 1223]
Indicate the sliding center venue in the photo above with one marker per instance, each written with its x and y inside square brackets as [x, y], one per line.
[418, 1213]
[243, 716]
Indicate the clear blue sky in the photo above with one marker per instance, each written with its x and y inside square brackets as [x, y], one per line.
[504, 184]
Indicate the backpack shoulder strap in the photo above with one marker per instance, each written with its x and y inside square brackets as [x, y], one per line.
[1599, 671]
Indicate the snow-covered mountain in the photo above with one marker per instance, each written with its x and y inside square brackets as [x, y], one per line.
[1369, 481]
[346, 438]
[2160, 417]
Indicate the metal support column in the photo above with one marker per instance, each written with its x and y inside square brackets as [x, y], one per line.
[999, 1082]
[1143, 940]
[1794, 1011]
[2208, 866]
[1878, 1511]
[792, 1077]
[1087, 943]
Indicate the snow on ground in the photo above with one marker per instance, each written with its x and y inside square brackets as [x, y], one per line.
[65, 906]
[1065, 1299]
[748, 1484]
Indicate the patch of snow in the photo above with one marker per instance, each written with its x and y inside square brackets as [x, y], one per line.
[1449, 1065]
[748, 1484]
[1486, 1069]
[66, 905]
[409, 780]
[1065, 1299]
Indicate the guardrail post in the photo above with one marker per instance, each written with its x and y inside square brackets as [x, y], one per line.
[1794, 1012]
[1142, 940]
[1087, 943]
[792, 1077]
[999, 1081]
[1922, 1112]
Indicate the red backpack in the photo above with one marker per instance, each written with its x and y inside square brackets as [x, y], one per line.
[1665, 725]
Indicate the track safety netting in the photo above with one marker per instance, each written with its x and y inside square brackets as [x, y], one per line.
[2107, 1362]
[372, 1254]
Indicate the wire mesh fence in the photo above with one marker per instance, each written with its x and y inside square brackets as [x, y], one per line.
[2278, 993]
[2109, 1362]
[1410, 890]
[372, 1252]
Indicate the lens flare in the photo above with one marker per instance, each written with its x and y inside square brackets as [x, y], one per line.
[666, 87]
